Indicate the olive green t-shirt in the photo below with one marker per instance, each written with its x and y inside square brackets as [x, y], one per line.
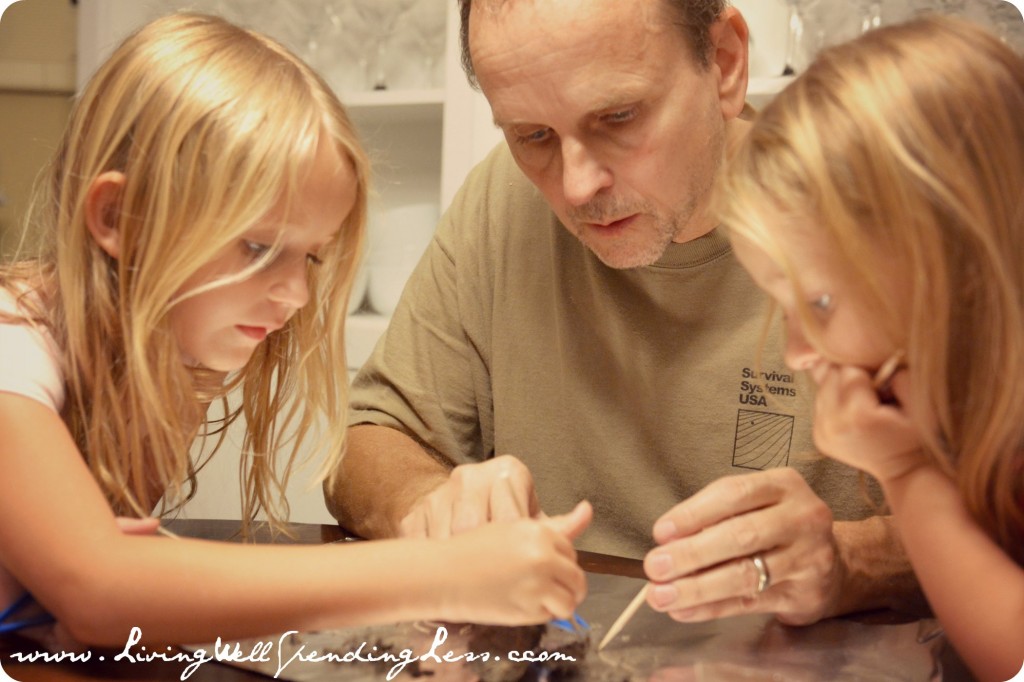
[630, 388]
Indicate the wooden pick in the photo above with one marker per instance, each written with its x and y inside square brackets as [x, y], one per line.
[163, 531]
[624, 617]
[883, 377]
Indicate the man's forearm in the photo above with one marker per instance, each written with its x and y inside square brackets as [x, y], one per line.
[383, 473]
[877, 571]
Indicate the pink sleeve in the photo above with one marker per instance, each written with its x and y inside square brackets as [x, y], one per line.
[30, 365]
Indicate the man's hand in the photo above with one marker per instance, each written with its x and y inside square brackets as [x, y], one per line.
[703, 568]
[500, 489]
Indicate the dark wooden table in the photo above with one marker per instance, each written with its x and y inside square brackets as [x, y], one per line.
[160, 671]
[807, 642]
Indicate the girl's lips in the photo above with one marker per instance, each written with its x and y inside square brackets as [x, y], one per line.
[258, 333]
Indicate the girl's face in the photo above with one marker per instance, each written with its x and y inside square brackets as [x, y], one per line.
[848, 328]
[220, 328]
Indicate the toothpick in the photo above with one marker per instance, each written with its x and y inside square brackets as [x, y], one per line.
[624, 617]
[888, 370]
[511, 490]
[170, 534]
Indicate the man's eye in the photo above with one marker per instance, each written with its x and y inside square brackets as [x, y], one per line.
[620, 116]
[533, 137]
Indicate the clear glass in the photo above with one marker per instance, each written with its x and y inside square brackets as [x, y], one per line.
[346, 60]
[799, 51]
[381, 16]
[870, 14]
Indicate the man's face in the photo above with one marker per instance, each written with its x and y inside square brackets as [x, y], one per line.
[606, 110]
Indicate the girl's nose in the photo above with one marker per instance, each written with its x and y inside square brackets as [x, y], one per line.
[291, 285]
[800, 354]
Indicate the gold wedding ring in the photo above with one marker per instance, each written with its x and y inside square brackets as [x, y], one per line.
[764, 580]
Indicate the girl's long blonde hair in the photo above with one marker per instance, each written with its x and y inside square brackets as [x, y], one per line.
[212, 126]
[909, 141]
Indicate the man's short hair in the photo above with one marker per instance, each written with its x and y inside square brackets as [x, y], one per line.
[694, 17]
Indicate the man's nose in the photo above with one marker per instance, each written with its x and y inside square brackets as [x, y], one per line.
[583, 173]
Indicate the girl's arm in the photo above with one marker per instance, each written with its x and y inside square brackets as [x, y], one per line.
[976, 590]
[58, 537]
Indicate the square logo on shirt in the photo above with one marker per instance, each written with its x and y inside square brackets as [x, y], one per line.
[762, 440]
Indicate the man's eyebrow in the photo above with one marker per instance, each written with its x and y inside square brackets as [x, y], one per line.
[610, 103]
[498, 123]
[617, 101]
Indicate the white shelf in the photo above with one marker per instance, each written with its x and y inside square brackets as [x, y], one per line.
[768, 86]
[395, 106]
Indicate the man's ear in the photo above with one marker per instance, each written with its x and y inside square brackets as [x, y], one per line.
[102, 208]
[729, 36]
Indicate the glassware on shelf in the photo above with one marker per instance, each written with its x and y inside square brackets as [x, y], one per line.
[870, 14]
[796, 44]
[318, 26]
[231, 10]
[950, 6]
[422, 30]
[1005, 19]
[380, 17]
[345, 62]
[898, 11]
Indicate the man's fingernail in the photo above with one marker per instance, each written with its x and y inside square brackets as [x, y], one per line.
[684, 615]
[664, 595]
[661, 565]
[665, 528]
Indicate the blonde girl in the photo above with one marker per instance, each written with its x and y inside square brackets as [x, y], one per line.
[880, 201]
[202, 215]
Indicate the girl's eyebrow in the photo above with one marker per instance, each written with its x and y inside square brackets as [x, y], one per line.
[330, 240]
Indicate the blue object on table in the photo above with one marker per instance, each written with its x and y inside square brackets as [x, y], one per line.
[573, 624]
[24, 601]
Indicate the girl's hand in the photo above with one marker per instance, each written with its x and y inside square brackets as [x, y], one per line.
[132, 526]
[518, 572]
[851, 424]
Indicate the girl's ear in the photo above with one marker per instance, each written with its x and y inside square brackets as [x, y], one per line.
[102, 206]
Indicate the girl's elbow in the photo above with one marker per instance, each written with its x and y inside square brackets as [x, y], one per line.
[90, 631]
[88, 616]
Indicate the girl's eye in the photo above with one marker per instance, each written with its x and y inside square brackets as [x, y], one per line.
[314, 259]
[823, 303]
[255, 250]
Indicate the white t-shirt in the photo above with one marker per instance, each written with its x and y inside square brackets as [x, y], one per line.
[29, 359]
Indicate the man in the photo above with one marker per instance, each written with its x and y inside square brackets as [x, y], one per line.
[579, 322]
